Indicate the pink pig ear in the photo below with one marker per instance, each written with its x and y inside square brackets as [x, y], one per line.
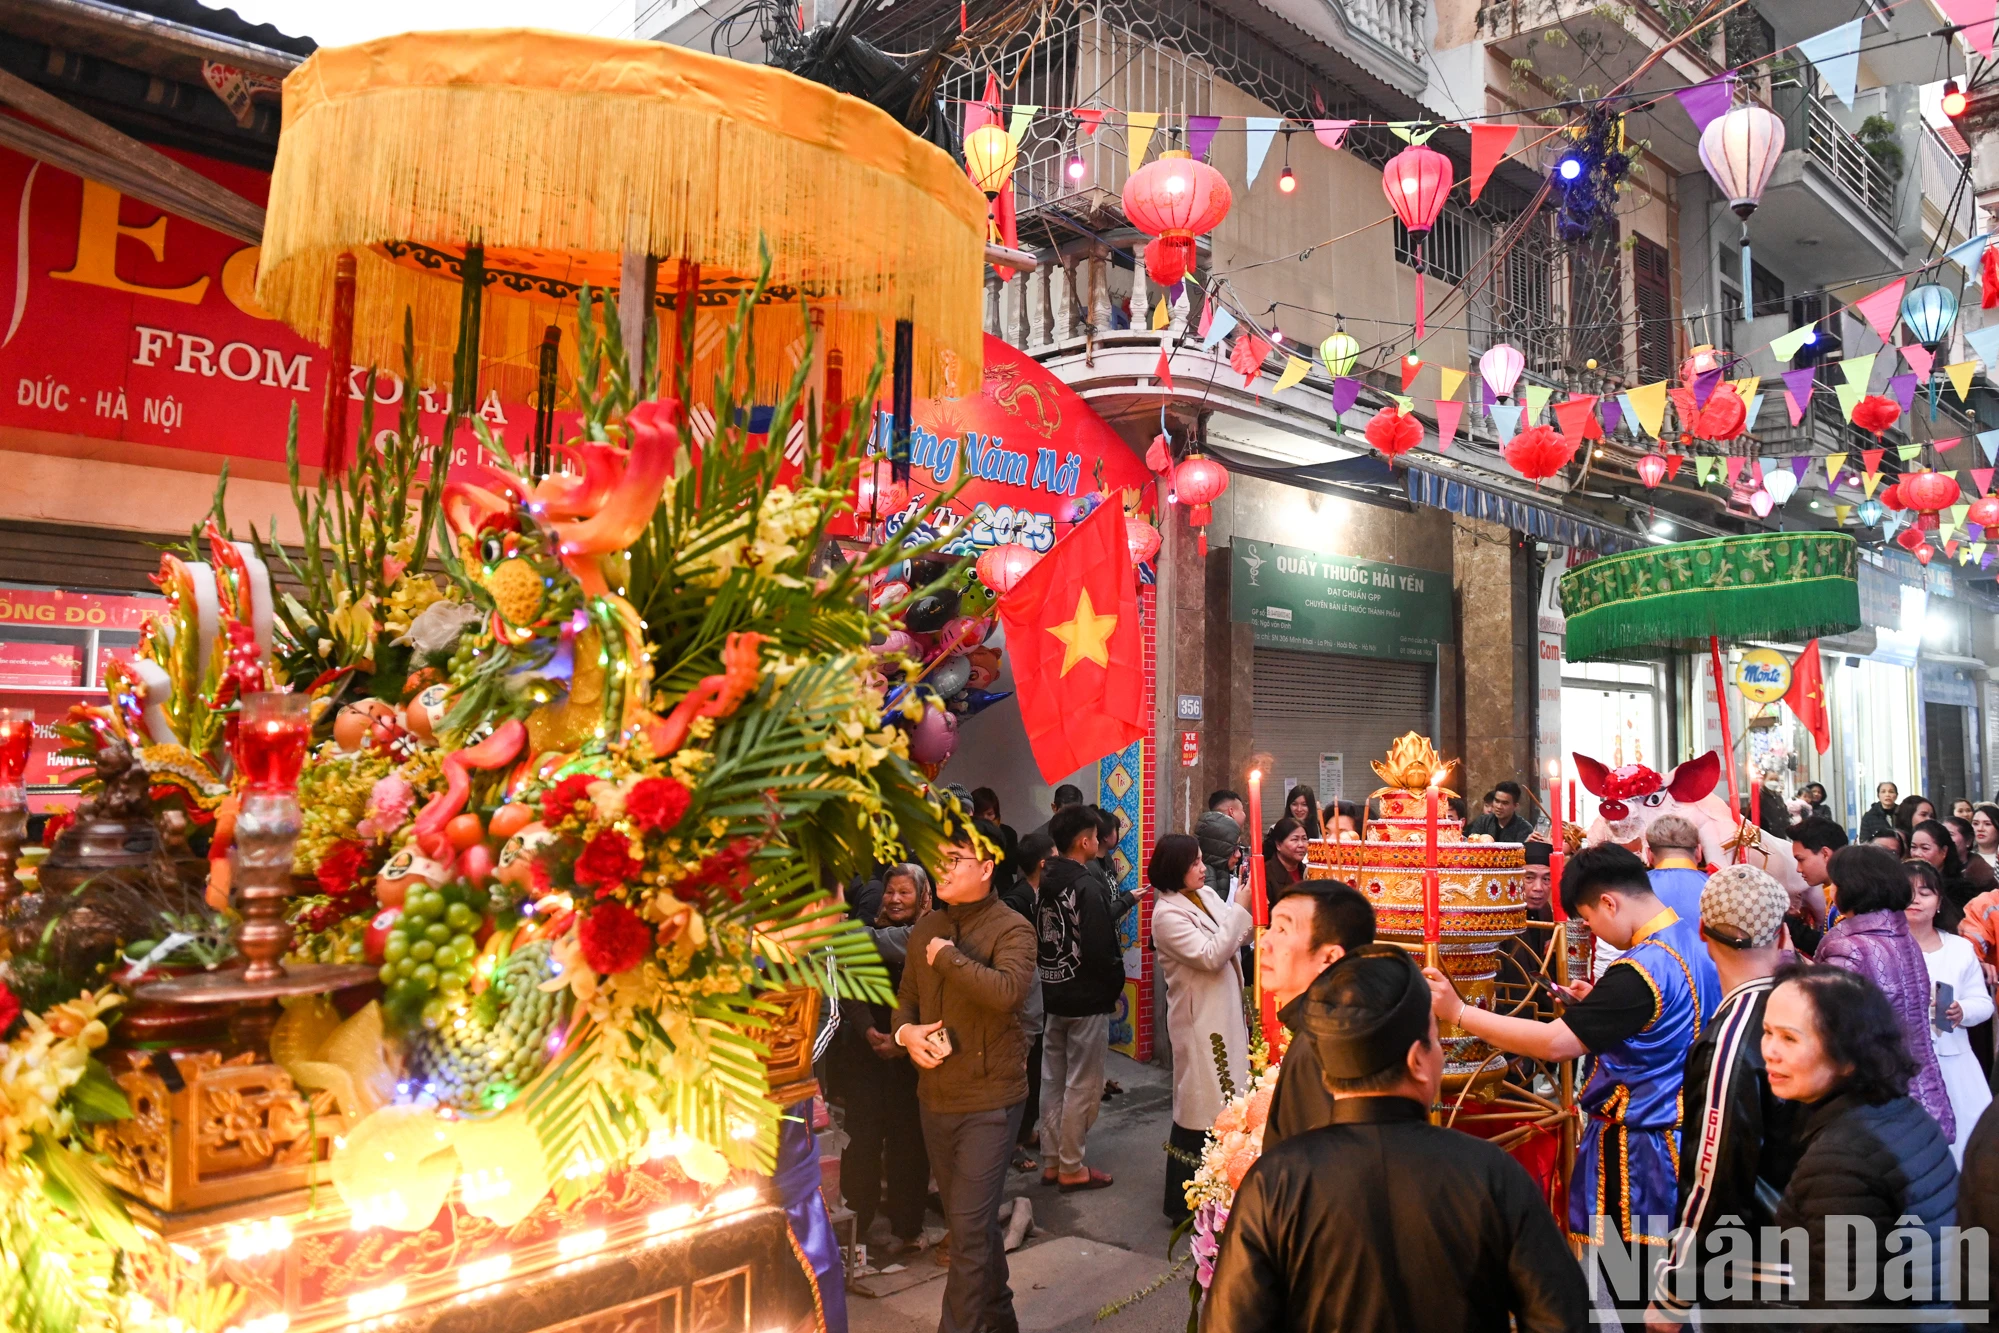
[1693, 780]
[1593, 774]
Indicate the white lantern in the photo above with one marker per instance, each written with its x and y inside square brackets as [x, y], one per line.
[1782, 485]
[1500, 367]
[1740, 150]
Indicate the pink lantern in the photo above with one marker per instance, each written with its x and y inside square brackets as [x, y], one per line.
[1652, 470]
[1500, 368]
[1762, 504]
[1417, 180]
[1174, 200]
[1199, 481]
[1002, 566]
[1141, 537]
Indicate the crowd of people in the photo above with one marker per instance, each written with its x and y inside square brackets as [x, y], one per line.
[1815, 1060]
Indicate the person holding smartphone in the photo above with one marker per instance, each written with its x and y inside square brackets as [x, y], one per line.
[969, 972]
[1958, 999]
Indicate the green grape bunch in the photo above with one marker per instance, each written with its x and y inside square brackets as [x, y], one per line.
[428, 958]
[492, 1045]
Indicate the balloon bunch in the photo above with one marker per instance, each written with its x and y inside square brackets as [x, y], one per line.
[935, 660]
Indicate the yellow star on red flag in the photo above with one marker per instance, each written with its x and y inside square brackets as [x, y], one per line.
[1085, 636]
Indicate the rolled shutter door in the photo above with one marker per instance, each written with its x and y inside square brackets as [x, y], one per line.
[1313, 703]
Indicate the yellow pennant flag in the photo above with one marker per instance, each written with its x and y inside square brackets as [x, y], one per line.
[1841, 513]
[1869, 482]
[1160, 319]
[1857, 369]
[1451, 379]
[1960, 373]
[1946, 529]
[1833, 463]
[1649, 402]
[1851, 392]
[1138, 128]
[1747, 386]
[1537, 396]
[1294, 370]
[1978, 550]
[1959, 512]
[1403, 405]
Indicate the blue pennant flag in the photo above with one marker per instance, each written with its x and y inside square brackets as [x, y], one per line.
[1988, 440]
[1506, 419]
[1218, 328]
[1984, 344]
[1835, 53]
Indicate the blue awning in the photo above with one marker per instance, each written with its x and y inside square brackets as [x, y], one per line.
[1545, 522]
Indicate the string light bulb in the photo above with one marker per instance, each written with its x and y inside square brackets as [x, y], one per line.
[1075, 169]
[1287, 182]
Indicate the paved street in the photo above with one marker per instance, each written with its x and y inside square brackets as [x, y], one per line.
[1089, 1249]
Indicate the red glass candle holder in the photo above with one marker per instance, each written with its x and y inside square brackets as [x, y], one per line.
[17, 737]
[271, 739]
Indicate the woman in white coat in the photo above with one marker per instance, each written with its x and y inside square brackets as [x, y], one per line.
[1197, 935]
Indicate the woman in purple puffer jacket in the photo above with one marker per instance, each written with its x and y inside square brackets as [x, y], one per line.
[1872, 938]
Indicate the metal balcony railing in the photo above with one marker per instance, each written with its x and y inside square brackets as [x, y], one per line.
[1810, 127]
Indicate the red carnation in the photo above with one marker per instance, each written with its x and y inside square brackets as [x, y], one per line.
[607, 862]
[728, 870]
[340, 868]
[656, 804]
[613, 938]
[561, 802]
[10, 1008]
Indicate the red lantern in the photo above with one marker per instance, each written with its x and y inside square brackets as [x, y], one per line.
[1909, 538]
[1394, 432]
[1652, 470]
[1199, 481]
[1002, 566]
[1924, 553]
[1539, 452]
[1891, 498]
[1417, 180]
[1141, 537]
[1926, 492]
[1724, 416]
[1174, 200]
[1985, 513]
[1876, 413]
[877, 494]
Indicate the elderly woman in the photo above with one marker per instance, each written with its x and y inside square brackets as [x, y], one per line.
[1197, 935]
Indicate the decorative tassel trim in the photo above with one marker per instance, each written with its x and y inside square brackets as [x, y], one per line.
[441, 139]
[1684, 621]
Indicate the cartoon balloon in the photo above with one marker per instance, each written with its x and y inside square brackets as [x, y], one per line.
[975, 700]
[965, 632]
[888, 594]
[985, 666]
[977, 600]
[929, 614]
[935, 737]
[950, 675]
[896, 641]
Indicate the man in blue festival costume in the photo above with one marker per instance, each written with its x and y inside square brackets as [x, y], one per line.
[1636, 1025]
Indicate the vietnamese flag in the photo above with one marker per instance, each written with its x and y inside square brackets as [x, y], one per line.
[1072, 631]
[1806, 697]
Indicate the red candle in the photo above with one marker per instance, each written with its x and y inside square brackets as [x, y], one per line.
[17, 737]
[1558, 850]
[1259, 903]
[1432, 888]
[271, 740]
[1572, 800]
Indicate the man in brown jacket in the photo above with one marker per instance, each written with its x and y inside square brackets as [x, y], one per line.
[970, 969]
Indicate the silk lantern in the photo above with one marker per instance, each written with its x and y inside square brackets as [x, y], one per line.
[1762, 504]
[989, 159]
[1929, 311]
[1500, 368]
[1002, 566]
[1339, 351]
[1652, 470]
[1199, 481]
[1869, 513]
[1539, 452]
[1417, 180]
[1924, 553]
[1173, 200]
[1782, 485]
[1929, 492]
[1740, 150]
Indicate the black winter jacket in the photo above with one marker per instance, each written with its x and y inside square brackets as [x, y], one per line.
[1866, 1165]
[1082, 967]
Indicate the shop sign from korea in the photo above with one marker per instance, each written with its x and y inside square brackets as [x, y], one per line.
[125, 323]
[1292, 598]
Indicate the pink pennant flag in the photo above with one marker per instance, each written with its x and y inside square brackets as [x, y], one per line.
[1920, 360]
[1975, 17]
[1331, 132]
[1090, 117]
[1941, 445]
[1449, 413]
[1981, 477]
[1734, 466]
[1881, 309]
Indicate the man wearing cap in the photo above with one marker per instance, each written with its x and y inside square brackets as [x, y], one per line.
[1381, 1220]
[1529, 947]
[1636, 1023]
[1739, 1147]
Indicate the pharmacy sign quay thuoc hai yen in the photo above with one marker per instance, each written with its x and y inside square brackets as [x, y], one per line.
[1291, 598]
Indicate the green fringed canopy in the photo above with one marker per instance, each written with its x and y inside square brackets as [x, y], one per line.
[1766, 585]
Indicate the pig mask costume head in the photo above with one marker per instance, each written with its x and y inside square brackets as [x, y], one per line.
[1633, 796]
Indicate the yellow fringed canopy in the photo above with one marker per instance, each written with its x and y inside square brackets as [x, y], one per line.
[558, 152]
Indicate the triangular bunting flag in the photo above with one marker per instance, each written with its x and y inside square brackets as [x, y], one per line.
[1960, 373]
[1833, 463]
[1882, 308]
[1946, 529]
[1163, 372]
[1707, 101]
[1673, 464]
[1747, 385]
[1574, 417]
[1138, 128]
[1449, 380]
[1412, 131]
[1346, 389]
[1869, 482]
[1981, 477]
[1412, 366]
[1161, 317]
[1908, 452]
[1023, 116]
[1850, 395]
[1733, 466]
[1835, 54]
[1224, 321]
[1612, 411]
[1752, 410]
[1705, 384]
[1089, 117]
[1842, 513]
[1704, 468]
[1857, 369]
[1262, 129]
[1403, 405]
[1200, 134]
[1870, 459]
[1902, 388]
[1488, 146]
[1945, 446]
[1800, 465]
[1984, 344]
[1294, 370]
[1975, 18]
[1966, 254]
[1786, 347]
[1988, 440]
[1506, 419]
[1648, 407]
[1331, 132]
[1798, 391]
[1537, 396]
[1919, 359]
[1449, 413]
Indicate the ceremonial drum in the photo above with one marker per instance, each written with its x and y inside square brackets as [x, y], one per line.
[1481, 906]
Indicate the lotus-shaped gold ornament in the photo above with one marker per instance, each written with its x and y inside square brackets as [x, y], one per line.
[1412, 765]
